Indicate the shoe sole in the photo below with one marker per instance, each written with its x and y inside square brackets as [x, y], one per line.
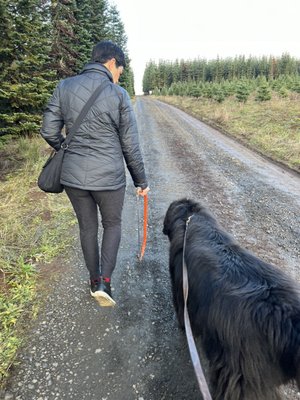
[103, 299]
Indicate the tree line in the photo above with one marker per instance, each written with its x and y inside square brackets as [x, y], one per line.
[43, 41]
[220, 78]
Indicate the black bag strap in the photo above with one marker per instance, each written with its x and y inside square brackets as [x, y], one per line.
[83, 113]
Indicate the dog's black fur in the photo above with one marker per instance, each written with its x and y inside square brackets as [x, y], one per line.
[246, 311]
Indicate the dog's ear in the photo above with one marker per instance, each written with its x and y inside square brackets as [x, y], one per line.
[178, 210]
[165, 230]
[170, 217]
[167, 222]
[185, 208]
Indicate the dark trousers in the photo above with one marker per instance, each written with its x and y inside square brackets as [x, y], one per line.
[110, 204]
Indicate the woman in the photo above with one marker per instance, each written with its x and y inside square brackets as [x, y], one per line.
[93, 172]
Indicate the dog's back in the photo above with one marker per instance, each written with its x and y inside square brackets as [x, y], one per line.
[246, 311]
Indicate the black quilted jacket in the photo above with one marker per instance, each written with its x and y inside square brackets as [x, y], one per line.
[107, 135]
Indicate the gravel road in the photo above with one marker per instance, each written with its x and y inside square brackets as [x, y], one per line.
[77, 351]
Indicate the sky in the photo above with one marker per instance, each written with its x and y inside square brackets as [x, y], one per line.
[191, 29]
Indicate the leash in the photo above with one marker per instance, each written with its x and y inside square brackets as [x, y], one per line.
[188, 330]
[145, 225]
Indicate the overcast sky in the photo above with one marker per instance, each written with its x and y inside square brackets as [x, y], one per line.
[188, 29]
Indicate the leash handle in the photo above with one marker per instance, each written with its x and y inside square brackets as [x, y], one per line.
[188, 330]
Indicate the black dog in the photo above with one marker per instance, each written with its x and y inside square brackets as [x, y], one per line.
[246, 311]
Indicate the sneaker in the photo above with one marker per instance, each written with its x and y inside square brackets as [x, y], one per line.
[101, 291]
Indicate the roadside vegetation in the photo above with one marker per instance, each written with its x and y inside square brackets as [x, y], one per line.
[254, 100]
[35, 229]
[271, 128]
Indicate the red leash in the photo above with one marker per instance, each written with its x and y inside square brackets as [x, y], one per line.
[145, 226]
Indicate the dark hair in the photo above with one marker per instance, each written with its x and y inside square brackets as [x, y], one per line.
[106, 50]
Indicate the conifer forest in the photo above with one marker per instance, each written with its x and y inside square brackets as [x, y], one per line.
[221, 78]
[43, 41]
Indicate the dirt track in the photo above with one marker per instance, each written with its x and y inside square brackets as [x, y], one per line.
[77, 351]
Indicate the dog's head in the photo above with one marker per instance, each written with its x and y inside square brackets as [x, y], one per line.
[178, 213]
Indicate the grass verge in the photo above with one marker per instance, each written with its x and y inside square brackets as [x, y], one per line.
[33, 232]
[271, 127]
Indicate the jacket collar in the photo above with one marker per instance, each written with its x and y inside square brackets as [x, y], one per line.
[97, 67]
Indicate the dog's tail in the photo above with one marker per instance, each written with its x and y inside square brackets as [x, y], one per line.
[298, 373]
[286, 342]
[297, 360]
[296, 348]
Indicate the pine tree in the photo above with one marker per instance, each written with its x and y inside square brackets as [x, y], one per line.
[7, 52]
[64, 52]
[195, 90]
[116, 33]
[207, 90]
[263, 92]
[176, 71]
[93, 25]
[228, 88]
[283, 92]
[26, 78]
[295, 86]
[164, 91]
[175, 89]
[99, 23]
[218, 93]
[115, 30]
[82, 30]
[149, 78]
[242, 91]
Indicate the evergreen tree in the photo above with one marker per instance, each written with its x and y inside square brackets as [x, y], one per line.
[64, 52]
[295, 86]
[263, 92]
[287, 65]
[218, 93]
[176, 71]
[149, 78]
[273, 70]
[26, 76]
[164, 91]
[115, 28]
[175, 89]
[85, 42]
[127, 80]
[99, 24]
[194, 90]
[207, 90]
[283, 92]
[218, 70]
[242, 91]
[228, 88]
[116, 33]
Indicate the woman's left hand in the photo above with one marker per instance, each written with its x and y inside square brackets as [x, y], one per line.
[142, 192]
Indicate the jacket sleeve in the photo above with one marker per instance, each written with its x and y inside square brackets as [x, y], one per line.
[130, 143]
[53, 121]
